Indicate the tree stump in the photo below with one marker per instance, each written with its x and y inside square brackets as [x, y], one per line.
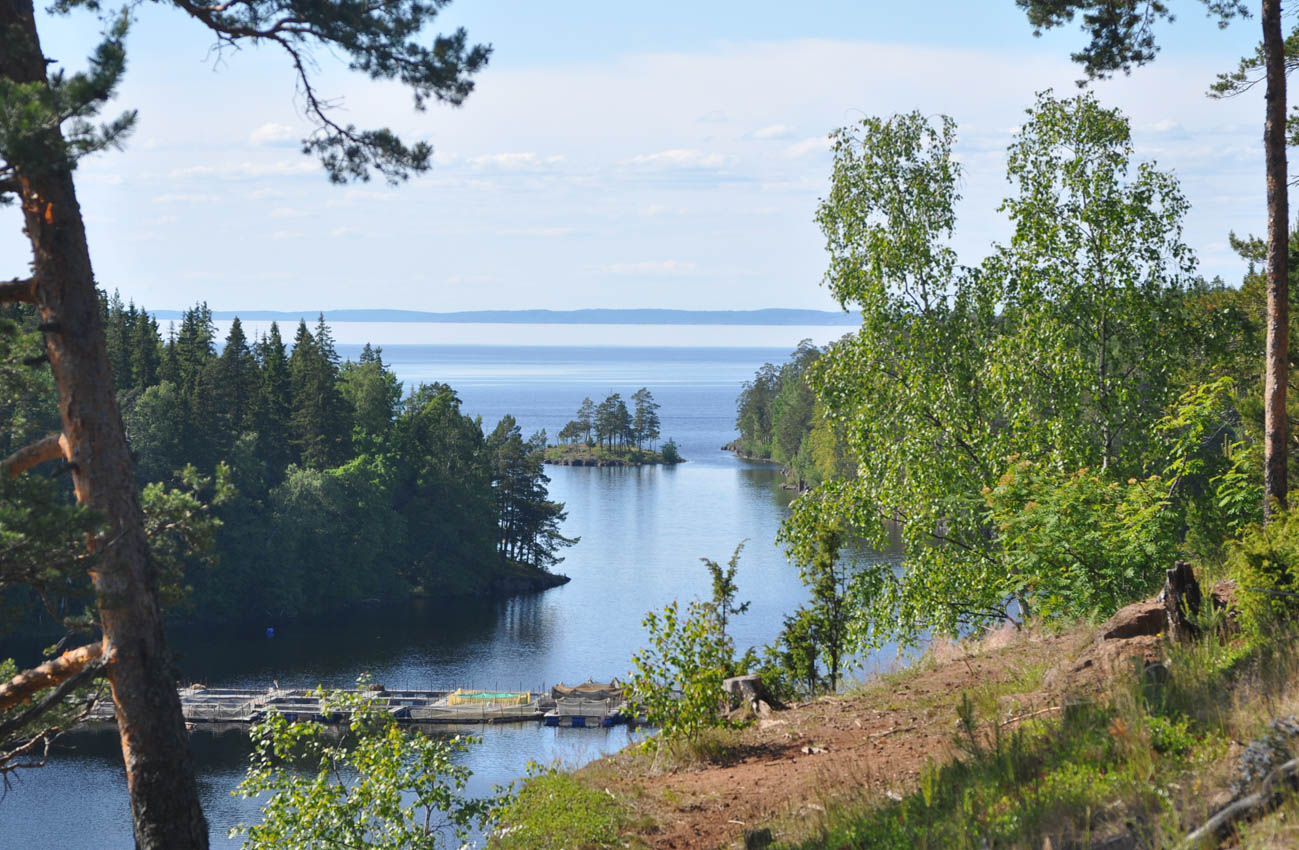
[751, 690]
[1182, 601]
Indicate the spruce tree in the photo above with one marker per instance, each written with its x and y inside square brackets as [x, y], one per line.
[273, 406]
[320, 418]
[237, 383]
[146, 352]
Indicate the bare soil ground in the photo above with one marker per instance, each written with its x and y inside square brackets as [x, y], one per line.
[784, 769]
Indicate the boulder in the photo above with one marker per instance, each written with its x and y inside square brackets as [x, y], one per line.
[1135, 620]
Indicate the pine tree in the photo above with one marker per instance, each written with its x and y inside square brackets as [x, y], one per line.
[645, 422]
[586, 417]
[47, 125]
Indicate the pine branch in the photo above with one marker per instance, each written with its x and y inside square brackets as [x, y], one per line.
[18, 289]
[53, 672]
[53, 447]
[91, 671]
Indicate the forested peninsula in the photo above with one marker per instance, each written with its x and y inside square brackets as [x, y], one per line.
[307, 482]
[781, 420]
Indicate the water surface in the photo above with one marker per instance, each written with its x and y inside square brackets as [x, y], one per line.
[642, 534]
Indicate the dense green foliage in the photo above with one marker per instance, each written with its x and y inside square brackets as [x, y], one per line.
[677, 681]
[610, 424]
[379, 786]
[554, 810]
[44, 561]
[994, 413]
[779, 419]
[330, 486]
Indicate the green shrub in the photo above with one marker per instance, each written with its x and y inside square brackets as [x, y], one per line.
[1265, 563]
[677, 681]
[671, 453]
[379, 786]
[555, 811]
[1082, 543]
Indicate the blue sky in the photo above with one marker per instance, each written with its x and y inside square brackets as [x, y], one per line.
[614, 155]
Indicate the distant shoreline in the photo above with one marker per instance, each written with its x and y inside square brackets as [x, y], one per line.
[771, 316]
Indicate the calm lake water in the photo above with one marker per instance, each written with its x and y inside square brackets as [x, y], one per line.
[642, 534]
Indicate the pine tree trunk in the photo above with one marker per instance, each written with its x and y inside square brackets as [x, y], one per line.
[160, 776]
[1278, 223]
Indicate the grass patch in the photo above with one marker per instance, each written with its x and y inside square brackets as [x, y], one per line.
[1012, 787]
[555, 810]
[1152, 760]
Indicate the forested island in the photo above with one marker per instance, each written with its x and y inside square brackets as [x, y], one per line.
[318, 482]
[611, 434]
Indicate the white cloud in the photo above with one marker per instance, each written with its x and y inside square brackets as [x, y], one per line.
[339, 232]
[272, 134]
[288, 212]
[365, 195]
[538, 231]
[287, 234]
[513, 161]
[661, 268]
[191, 171]
[682, 158]
[185, 198]
[816, 144]
[774, 131]
[282, 168]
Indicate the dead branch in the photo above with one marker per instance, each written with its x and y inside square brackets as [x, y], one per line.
[91, 671]
[51, 673]
[1265, 798]
[53, 447]
[18, 289]
[1017, 718]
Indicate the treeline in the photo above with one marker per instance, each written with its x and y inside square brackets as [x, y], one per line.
[780, 419]
[331, 483]
[610, 424]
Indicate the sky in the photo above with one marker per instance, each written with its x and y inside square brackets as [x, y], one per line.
[612, 155]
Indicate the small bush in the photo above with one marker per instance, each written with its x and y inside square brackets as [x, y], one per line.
[1265, 563]
[677, 681]
[555, 811]
[671, 452]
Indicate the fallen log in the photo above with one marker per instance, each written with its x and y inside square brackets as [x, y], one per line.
[1266, 798]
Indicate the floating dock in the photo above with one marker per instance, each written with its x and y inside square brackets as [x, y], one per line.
[562, 706]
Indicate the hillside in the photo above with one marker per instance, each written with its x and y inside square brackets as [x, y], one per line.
[1025, 740]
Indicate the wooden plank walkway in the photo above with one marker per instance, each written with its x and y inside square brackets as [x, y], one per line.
[203, 705]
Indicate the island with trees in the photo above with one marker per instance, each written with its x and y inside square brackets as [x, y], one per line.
[612, 434]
